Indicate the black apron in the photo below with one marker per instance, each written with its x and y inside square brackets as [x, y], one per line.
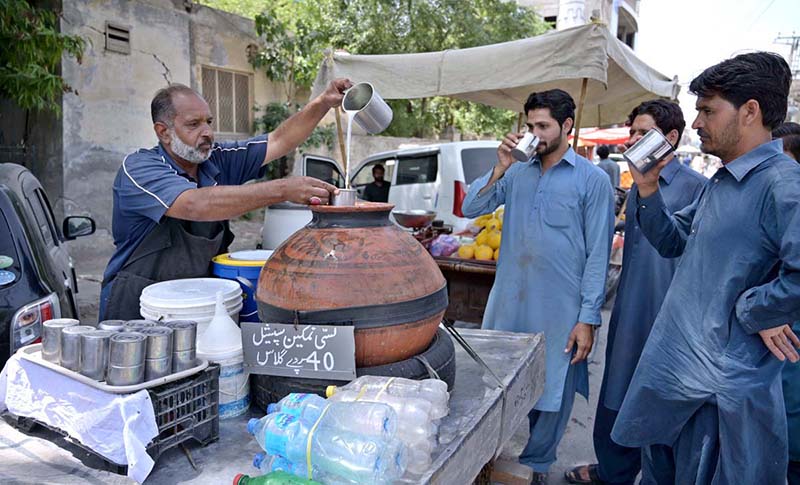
[175, 249]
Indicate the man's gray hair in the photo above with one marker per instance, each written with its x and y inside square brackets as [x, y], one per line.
[161, 107]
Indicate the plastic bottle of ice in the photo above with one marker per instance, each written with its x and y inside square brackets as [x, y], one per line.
[414, 423]
[431, 390]
[272, 463]
[414, 426]
[274, 478]
[295, 403]
[333, 451]
[367, 418]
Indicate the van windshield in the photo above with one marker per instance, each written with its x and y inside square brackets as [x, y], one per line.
[477, 161]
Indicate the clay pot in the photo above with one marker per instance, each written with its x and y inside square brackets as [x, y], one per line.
[352, 265]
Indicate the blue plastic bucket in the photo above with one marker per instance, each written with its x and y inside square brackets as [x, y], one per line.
[246, 265]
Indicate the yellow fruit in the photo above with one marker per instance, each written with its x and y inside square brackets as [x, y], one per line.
[497, 254]
[466, 251]
[494, 239]
[482, 238]
[484, 253]
[493, 224]
[498, 214]
[481, 221]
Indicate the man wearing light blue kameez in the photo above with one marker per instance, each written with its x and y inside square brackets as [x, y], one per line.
[645, 278]
[705, 401]
[557, 229]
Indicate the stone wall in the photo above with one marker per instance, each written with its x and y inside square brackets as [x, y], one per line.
[109, 115]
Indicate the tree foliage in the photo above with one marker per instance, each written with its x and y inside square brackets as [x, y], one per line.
[295, 34]
[30, 58]
[269, 117]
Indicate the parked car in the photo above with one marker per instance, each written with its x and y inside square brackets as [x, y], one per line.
[37, 278]
[434, 177]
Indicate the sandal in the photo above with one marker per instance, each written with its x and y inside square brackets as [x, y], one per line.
[539, 478]
[575, 476]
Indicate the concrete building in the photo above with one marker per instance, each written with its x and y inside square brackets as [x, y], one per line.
[622, 16]
[134, 48]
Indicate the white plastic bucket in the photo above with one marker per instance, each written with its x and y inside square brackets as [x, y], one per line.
[234, 386]
[190, 299]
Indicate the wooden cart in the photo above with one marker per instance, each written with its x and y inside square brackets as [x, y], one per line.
[469, 282]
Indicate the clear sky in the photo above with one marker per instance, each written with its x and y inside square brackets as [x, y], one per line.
[683, 37]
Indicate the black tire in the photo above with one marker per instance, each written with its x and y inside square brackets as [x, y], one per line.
[440, 355]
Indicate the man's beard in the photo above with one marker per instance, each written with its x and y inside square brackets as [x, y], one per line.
[186, 152]
[549, 147]
[724, 142]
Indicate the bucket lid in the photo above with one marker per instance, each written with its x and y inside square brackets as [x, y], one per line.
[190, 292]
[251, 258]
[251, 255]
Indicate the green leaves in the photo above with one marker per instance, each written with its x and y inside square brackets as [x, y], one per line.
[295, 33]
[30, 59]
[273, 114]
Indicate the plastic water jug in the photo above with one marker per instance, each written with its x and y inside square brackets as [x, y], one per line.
[367, 418]
[333, 451]
[431, 390]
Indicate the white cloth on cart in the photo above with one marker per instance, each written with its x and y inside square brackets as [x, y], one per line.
[117, 426]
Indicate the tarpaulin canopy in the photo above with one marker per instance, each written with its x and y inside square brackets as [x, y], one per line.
[603, 136]
[503, 75]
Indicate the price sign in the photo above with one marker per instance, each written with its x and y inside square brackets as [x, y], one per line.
[311, 351]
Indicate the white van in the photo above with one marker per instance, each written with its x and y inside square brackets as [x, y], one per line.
[434, 177]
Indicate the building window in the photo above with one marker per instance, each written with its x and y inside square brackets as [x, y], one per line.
[228, 96]
[551, 21]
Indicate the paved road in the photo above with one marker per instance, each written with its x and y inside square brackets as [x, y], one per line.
[90, 260]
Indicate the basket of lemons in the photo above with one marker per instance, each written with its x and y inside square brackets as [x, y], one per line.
[486, 244]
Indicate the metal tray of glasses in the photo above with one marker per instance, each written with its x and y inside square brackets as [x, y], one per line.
[33, 353]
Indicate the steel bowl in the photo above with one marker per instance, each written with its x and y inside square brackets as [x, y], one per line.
[71, 345]
[414, 218]
[51, 338]
[94, 353]
[159, 342]
[112, 325]
[136, 325]
[183, 360]
[184, 334]
[127, 349]
[156, 368]
[125, 376]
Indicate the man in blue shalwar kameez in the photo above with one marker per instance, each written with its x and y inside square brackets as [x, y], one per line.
[646, 275]
[789, 134]
[550, 278]
[705, 401]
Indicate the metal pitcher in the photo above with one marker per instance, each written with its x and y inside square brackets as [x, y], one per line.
[371, 111]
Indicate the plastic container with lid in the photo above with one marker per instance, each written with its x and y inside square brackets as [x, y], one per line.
[190, 299]
[243, 267]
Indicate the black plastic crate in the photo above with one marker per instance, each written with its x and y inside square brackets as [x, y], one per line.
[185, 410]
